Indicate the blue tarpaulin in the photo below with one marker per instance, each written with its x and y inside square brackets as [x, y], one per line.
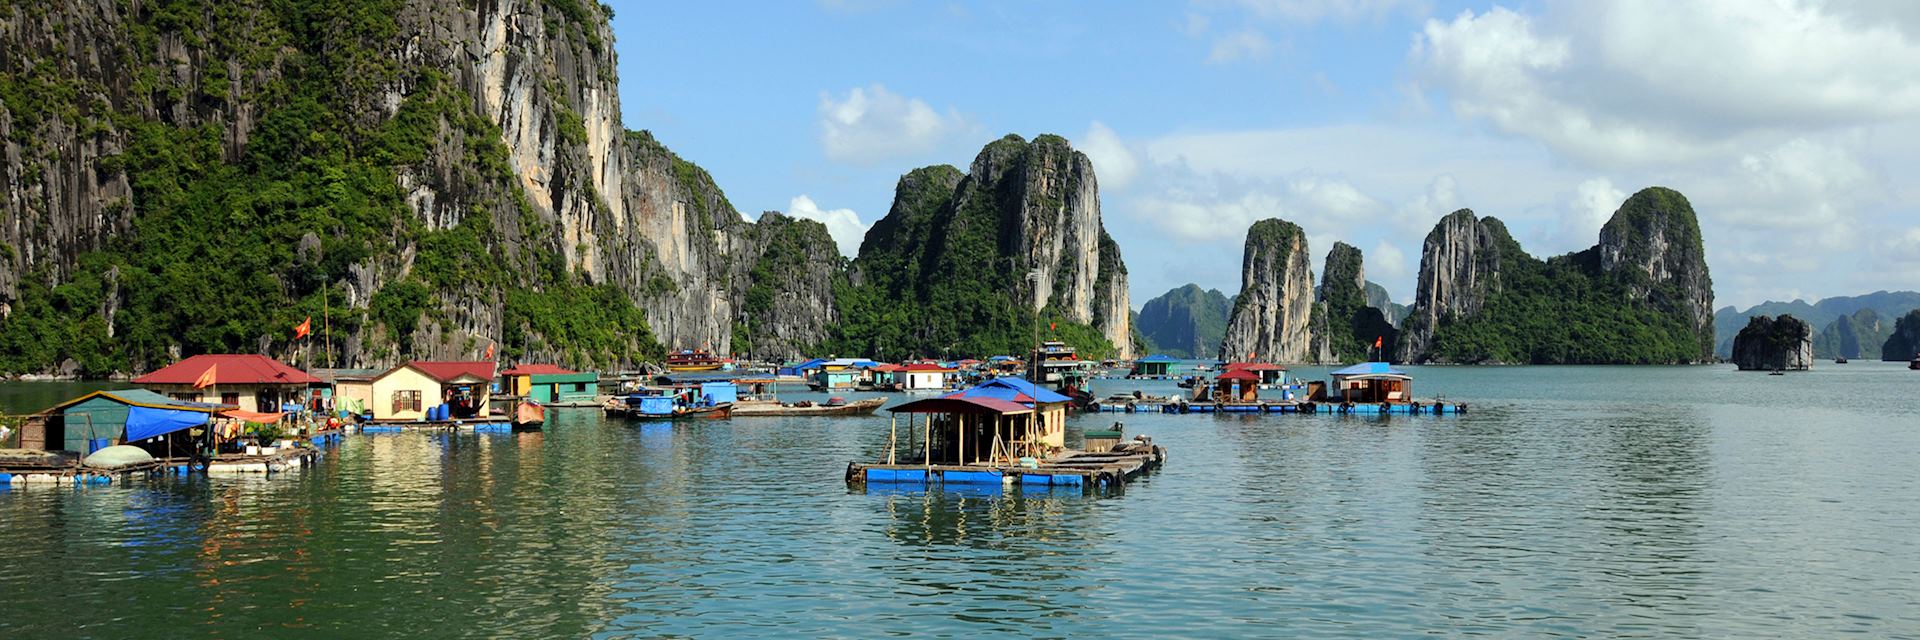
[147, 422]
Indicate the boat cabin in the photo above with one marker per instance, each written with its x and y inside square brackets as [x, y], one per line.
[1371, 383]
[696, 360]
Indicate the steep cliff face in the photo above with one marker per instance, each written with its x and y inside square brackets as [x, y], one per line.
[1272, 316]
[1460, 265]
[1904, 344]
[1769, 344]
[1640, 296]
[432, 176]
[981, 262]
[1187, 322]
[788, 266]
[1652, 245]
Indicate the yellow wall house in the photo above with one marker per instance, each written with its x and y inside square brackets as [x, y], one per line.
[409, 391]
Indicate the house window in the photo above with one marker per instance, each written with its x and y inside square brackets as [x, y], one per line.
[230, 398]
[406, 400]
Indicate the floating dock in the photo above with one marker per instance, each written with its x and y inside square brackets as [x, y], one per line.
[490, 425]
[1089, 471]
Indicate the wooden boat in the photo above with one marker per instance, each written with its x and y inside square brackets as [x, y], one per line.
[653, 405]
[695, 360]
[1840, 360]
[1915, 365]
[529, 416]
[769, 408]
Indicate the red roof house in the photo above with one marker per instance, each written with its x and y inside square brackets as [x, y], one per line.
[450, 371]
[229, 369]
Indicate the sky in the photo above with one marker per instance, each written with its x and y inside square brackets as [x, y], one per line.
[1792, 126]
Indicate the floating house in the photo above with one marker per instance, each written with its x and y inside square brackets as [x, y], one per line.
[348, 390]
[552, 385]
[1006, 430]
[1371, 383]
[1235, 386]
[840, 374]
[888, 376]
[248, 381]
[409, 391]
[1268, 374]
[1153, 366]
[925, 376]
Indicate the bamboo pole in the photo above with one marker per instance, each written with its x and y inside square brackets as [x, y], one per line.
[963, 439]
[926, 437]
[893, 431]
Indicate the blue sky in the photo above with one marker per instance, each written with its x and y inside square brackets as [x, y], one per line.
[1792, 126]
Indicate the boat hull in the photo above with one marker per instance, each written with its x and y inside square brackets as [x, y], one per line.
[861, 408]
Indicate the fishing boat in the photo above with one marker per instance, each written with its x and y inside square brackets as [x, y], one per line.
[1915, 365]
[806, 408]
[696, 360]
[656, 405]
[1840, 360]
[529, 416]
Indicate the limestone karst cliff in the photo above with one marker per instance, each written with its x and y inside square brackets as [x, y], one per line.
[1774, 344]
[1353, 323]
[1272, 316]
[1641, 295]
[986, 261]
[429, 176]
[1904, 343]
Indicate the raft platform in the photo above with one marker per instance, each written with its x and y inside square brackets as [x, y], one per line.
[1415, 409]
[488, 425]
[1108, 470]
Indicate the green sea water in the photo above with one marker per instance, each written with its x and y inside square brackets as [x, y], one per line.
[1569, 501]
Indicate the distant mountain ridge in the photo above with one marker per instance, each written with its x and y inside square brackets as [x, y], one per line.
[1185, 322]
[1727, 321]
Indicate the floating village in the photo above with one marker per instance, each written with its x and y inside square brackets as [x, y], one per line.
[1000, 420]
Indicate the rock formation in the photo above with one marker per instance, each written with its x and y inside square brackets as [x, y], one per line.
[1460, 265]
[1272, 316]
[1642, 295]
[434, 176]
[982, 262]
[783, 270]
[1904, 344]
[1187, 322]
[1768, 344]
[1352, 325]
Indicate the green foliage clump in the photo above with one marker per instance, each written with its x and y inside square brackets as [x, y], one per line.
[594, 325]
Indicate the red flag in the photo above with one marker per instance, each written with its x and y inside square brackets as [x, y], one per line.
[1053, 325]
[489, 355]
[304, 329]
[1376, 341]
[206, 379]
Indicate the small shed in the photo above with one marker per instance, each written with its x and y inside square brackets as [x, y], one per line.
[104, 418]
[406, 392]
[1267, 372]
[1238, 385]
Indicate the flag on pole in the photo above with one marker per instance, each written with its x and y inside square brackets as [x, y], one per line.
[304, 329]
[206, 378]
[1377, 340]
[1052, 326]
[489, 355]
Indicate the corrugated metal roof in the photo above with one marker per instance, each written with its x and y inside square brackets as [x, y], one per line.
[449, 371]
[951, 404]
[536, 370]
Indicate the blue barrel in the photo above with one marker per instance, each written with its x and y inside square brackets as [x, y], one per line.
[97, 444]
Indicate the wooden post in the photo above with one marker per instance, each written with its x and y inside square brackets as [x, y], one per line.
[893, 431]
[926, 437]
[963, 438]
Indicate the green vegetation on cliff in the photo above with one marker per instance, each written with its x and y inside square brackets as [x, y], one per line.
[231, 245]
[1569, 309]
[1186, 322]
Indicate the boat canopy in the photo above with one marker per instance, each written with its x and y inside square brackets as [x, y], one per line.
[1371, 371]
[962, 404]
[1017, 384]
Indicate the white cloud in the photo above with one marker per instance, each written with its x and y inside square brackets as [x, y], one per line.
[872, 124]
[1387, 263]
[1114, 165]
[1588, 209]
[1623, 84]
[1245, 44]
[843, 224]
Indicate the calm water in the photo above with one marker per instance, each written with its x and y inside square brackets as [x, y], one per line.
[1571, 502]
